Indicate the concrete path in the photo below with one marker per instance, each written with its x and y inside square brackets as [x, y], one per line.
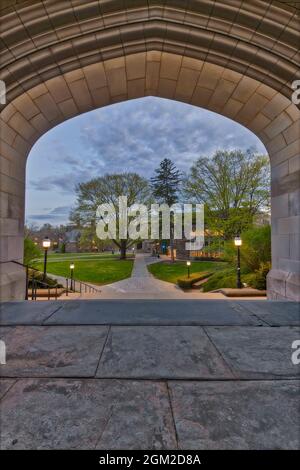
[142, 285]
[149, 374]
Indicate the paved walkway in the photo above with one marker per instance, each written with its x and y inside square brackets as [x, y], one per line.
[141, 285]
[149, 374]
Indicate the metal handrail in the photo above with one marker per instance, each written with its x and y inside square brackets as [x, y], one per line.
[87, 287]
[36, 282]
[34, 287]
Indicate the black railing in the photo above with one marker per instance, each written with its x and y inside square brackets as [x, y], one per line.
[81, 287]
[36, 283]
[32, 284]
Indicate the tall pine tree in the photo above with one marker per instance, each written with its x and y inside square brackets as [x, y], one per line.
[165, 187]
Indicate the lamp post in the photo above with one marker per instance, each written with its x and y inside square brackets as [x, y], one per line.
[188, 263]
[46, 246]
[238, 244]
[72, 266]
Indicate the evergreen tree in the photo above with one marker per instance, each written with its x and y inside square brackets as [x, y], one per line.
[165, 184]
[165, 187]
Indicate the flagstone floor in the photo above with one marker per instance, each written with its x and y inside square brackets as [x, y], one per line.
[149, 374]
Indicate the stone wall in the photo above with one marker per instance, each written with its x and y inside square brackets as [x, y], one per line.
[238, 59]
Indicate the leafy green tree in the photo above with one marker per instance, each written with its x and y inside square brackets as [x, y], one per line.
[256, 248]
[107, 190]
[89, 241]
[165, 189]
[233, 185]
[31, 251]
[255, 261]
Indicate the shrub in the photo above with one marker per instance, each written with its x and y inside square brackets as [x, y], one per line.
[258, 279]
[188, 282]
[31, 251]
[256, 248]
[38, 276]
[220, 279]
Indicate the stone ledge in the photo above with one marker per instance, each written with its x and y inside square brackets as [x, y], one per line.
[293, 287]
[244, 292]
[12, 282]
[283, 285]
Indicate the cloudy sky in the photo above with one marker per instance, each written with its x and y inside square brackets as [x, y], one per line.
[131, 136]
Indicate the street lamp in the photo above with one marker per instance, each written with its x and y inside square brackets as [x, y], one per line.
[188, 263]
[238, 244]
[46, 246]
[72, 266]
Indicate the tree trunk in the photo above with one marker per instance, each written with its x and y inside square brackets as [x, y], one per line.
[123, 248]
[172, 244]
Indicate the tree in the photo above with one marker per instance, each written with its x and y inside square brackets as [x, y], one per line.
[107, 190]
[55, 233]
[165, 188]
[233, 185]
[256, 248]
[31, 251]
[89, 241]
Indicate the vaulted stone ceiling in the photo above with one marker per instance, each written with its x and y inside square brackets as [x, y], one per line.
[292, 4]
[236, 57]
[43, 39]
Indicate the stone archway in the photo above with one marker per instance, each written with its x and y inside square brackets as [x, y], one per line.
[236, 58]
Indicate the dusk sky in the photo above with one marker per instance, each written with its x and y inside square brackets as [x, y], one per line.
[130, 136]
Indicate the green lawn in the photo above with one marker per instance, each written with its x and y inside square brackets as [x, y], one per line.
[74, 256]
[102, 270]
[225, 278]
[171, 272]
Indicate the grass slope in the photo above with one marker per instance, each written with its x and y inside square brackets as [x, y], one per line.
[74, 256]
[98, 271]
[171, 272]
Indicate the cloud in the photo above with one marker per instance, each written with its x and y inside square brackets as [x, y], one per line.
[65, 184]
[137, 135]
[59, 214]
[130, 136]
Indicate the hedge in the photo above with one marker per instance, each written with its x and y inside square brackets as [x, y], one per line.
[187, 282]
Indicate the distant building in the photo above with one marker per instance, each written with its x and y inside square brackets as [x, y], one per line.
[148, 246]
[72, 239]
[262, 218]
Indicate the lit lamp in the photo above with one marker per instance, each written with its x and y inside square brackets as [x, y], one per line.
[72, 266]
[238, 244]
[46, 246]
[188, 263]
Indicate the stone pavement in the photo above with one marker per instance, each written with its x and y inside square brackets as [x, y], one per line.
[150, 374]
[142, 285]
